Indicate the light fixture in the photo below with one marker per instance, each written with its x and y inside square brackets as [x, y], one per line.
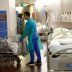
[25, 5]
[19, 9]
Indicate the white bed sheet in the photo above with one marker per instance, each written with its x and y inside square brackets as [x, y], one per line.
[60, 44]
[55, 49]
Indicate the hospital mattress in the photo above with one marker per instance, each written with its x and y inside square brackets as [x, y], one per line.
[60, 45]
[55, 49]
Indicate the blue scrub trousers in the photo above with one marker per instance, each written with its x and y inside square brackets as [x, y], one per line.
[37, 51]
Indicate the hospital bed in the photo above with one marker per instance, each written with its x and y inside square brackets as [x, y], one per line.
[41, 29]
[59, 48]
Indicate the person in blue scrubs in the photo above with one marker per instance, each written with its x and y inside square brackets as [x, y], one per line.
[31, 32]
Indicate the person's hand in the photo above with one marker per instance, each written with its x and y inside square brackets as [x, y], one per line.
[20, 39]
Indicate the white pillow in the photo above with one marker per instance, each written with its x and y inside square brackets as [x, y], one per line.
[59, 33]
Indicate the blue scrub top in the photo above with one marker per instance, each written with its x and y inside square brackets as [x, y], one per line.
[31, 32]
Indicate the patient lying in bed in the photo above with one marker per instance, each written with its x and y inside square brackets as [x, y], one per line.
[61, 39]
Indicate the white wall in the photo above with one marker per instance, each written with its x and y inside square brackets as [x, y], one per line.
[9, 6]
[12, 17]
[4, 5]
[54, 5]
[67, 5]
[60, 5]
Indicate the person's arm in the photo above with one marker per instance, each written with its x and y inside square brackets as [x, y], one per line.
[25, 31]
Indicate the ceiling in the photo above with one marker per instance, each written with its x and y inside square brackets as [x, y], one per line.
[19, 2]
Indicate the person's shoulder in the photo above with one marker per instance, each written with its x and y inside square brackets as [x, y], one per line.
[33, 20]
[29, 21]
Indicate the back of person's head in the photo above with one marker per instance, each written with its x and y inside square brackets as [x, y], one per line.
[27, 14]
